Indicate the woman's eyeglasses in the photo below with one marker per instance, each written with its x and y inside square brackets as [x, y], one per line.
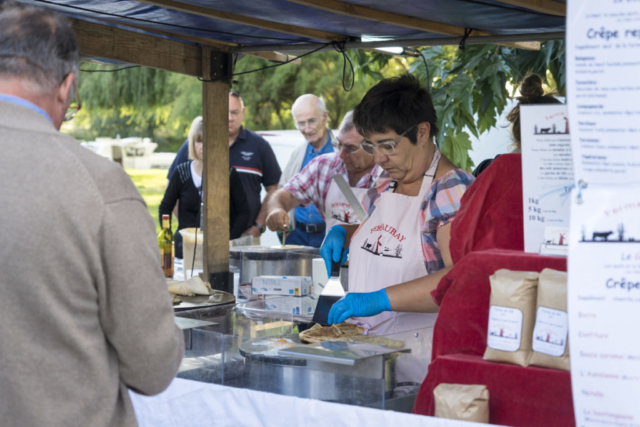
[386, 148]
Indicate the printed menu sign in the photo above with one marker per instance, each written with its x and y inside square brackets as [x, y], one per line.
[604, 306]
[547, 175]
[603, 65]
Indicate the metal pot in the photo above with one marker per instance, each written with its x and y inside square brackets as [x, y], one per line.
[253, 261]
[370, 381]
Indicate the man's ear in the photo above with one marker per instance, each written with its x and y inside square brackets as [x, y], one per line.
[64, 90]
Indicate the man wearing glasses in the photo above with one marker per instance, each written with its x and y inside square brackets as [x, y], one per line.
[314, 185]
[85, 313]
[310, 116]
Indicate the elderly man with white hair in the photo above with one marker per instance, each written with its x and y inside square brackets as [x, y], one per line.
[85, 312]
[310, 116]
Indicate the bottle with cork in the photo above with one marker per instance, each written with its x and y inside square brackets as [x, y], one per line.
[165, 242]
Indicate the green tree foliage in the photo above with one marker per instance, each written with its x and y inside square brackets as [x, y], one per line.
[136, 102]
[161, 105]
[470, 87]
[470, 90]
[269, 94]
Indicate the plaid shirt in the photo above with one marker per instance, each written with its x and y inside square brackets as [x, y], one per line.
[312, 183]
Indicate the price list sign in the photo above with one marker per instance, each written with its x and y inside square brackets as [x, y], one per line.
[547, 175]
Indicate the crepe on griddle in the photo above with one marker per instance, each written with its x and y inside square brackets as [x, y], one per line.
[191, 287]
[345, 332]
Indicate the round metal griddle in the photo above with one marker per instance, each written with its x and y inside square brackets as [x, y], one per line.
[265, 350]
[204, 301]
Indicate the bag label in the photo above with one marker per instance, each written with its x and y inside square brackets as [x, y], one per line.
[550, 332]
[505, 328]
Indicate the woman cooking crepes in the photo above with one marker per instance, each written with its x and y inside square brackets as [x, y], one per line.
[400, 252]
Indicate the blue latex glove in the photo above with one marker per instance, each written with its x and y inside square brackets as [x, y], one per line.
[332, 247]
[359, 305]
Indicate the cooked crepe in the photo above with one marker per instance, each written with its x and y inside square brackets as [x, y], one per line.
[288, 247]
[345, 332]
[191, 287]
[319, 333]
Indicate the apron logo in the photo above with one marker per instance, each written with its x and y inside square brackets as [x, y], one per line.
[343, 213]
[390, 247]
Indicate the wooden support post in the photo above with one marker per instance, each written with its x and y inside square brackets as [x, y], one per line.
[216, 76]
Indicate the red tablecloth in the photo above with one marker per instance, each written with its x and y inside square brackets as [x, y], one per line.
[490, 215]
[518, 396]
[488, 235]
[464, 293]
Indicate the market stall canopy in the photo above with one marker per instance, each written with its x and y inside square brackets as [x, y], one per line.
[202, 37]
[266, 26]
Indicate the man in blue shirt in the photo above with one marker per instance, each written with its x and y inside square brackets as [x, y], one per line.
[310, 116]
[253, 158]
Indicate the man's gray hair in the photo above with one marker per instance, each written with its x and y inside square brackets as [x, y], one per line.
[36, 44]
[347, 122]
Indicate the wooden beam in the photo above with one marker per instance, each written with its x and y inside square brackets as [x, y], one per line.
[116, 44]
[363, 12]
[215, 179]
[218, 45]
[549, 7]
[294, 30]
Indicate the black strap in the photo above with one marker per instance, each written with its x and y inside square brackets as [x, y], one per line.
[463, 42]
[311, 228]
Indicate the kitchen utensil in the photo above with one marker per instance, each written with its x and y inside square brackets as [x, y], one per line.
[252, 261]
[358, 210]
[331, 293]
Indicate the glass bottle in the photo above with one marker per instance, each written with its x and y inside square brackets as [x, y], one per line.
[165, 242]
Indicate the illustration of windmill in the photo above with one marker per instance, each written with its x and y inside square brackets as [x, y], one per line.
[378, 244]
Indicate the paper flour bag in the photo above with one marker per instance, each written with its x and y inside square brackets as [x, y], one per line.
[550, 334]
[511, 316]
[462, 402]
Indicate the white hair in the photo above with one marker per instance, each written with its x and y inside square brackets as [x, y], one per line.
[322, 106]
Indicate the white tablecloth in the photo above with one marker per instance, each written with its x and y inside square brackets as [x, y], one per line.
[193, 404]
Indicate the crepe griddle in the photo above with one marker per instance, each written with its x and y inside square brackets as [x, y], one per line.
[203, 301]
[265, 350]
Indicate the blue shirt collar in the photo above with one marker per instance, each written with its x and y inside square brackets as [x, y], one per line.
[24, 103]
[326, 148]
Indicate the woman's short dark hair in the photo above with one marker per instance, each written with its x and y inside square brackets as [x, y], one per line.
[397, 104]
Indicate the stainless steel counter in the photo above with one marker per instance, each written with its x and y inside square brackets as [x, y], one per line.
[217, 354]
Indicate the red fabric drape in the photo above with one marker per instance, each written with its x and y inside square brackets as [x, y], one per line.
[486, 236]
[490, 215]
[463, 295]
[518, 396]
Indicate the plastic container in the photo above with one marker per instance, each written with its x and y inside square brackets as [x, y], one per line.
[189, 241]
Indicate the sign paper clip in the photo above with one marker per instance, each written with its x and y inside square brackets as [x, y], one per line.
[581, 186]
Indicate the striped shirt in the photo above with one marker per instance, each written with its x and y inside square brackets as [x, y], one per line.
[440, 206]
[312, 183]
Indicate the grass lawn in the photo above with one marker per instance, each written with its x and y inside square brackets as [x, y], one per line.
[151, 184]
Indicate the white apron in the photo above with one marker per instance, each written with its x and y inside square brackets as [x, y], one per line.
[387, 250]
[336, 208]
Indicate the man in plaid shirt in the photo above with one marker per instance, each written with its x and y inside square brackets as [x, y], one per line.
[313, 184]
